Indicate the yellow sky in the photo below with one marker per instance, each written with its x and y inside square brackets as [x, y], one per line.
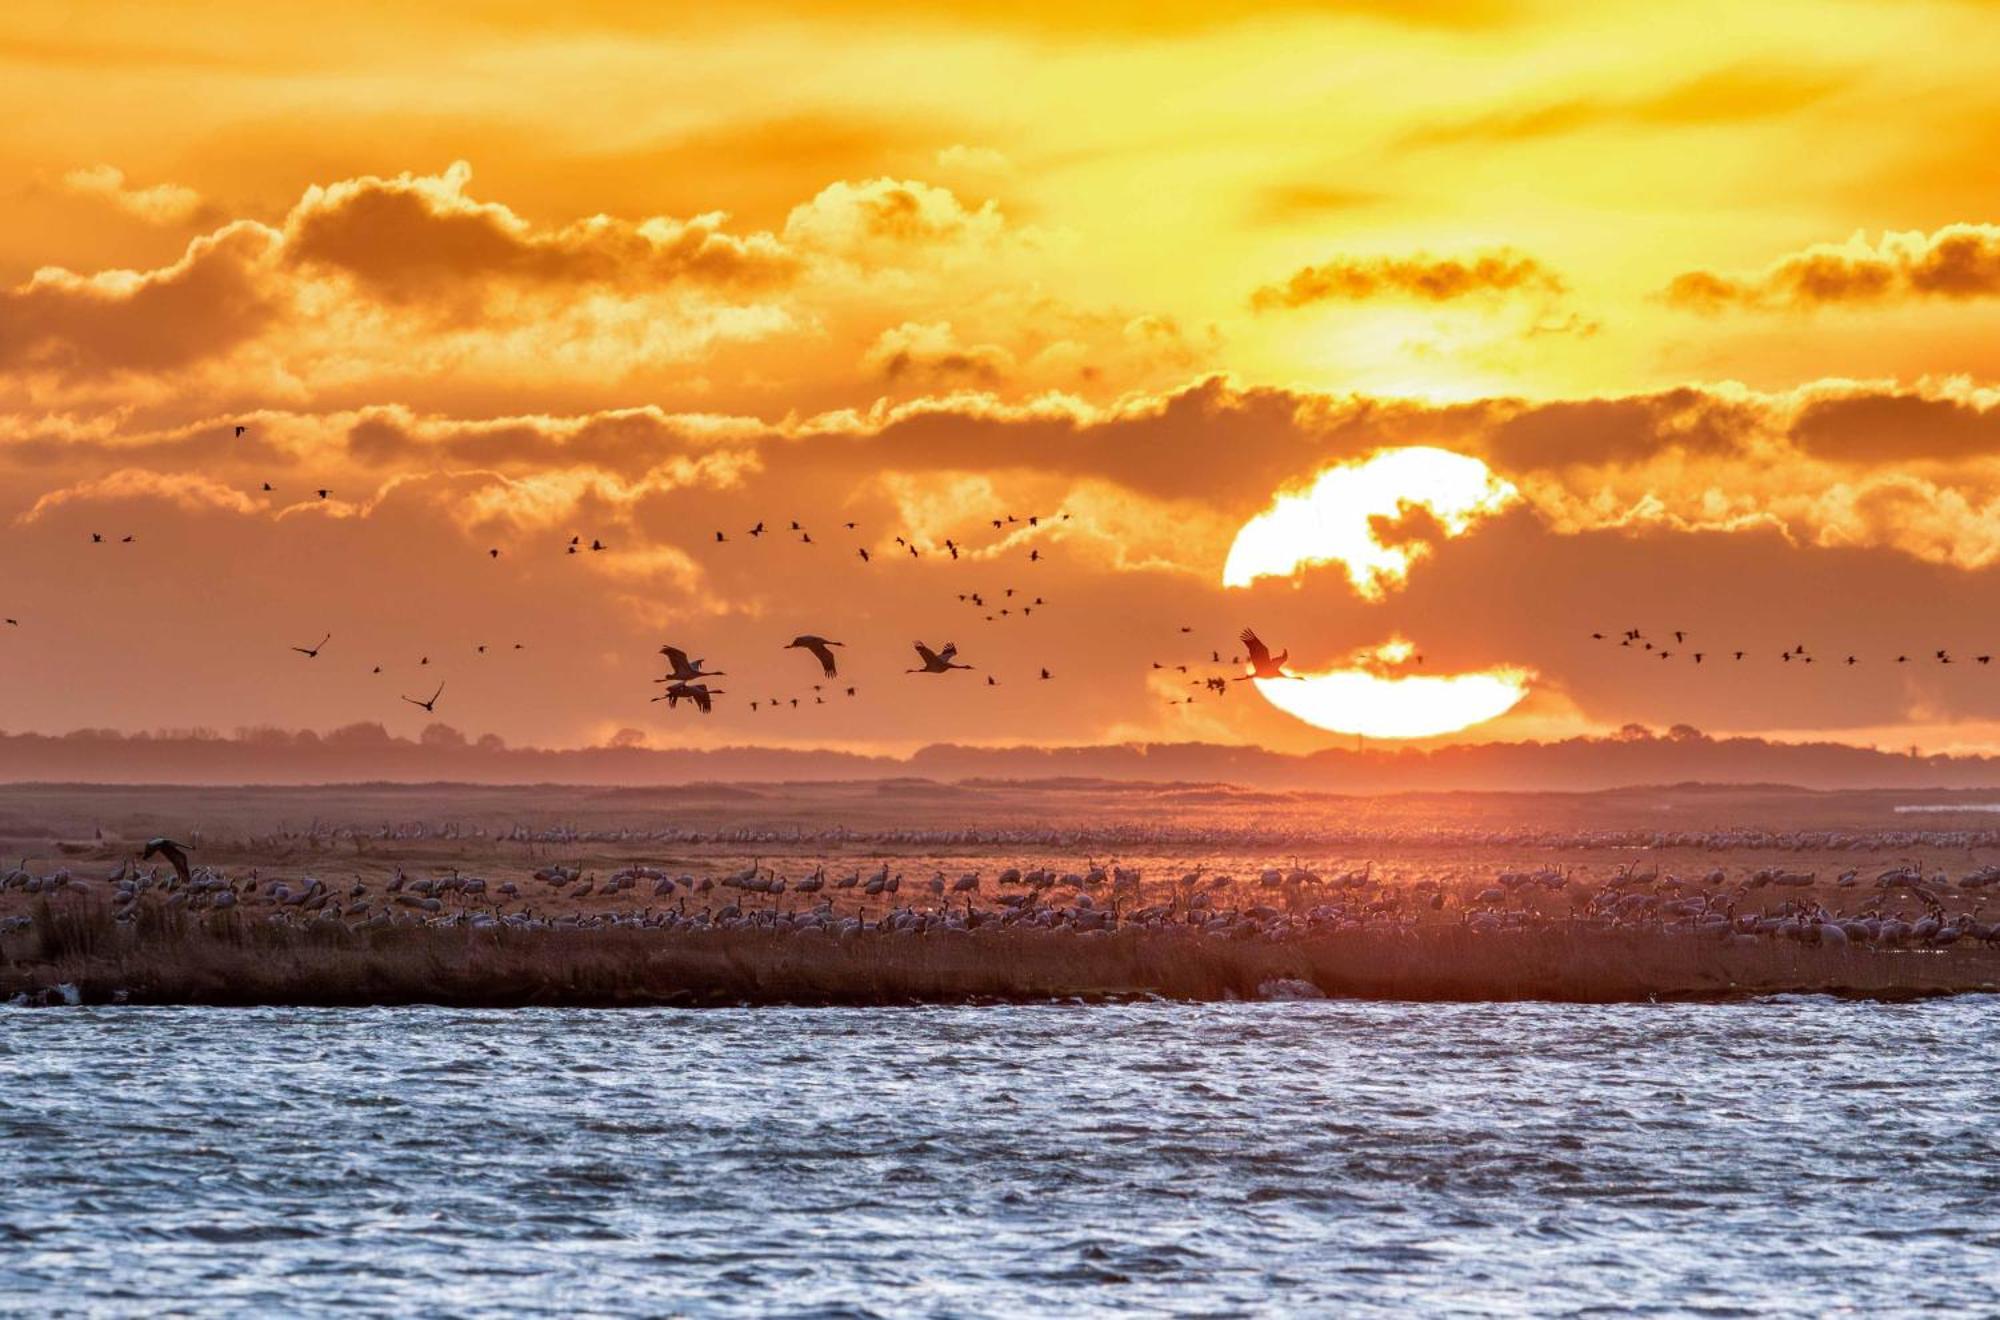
[1712, 285]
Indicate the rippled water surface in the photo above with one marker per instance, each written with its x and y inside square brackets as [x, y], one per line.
[1384, 1159]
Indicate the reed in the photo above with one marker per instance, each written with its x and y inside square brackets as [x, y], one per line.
[172, 958]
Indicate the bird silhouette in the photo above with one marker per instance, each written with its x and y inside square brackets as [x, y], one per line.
[175, 853]
[240, 430]
[1262, 663]
[683, 670]
[699, 693]
[819, 646]
[309, 652]
[431, 703]
[323, 492]
[936, 662]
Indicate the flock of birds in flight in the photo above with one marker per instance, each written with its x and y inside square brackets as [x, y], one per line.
[1634, 639]
[688, 679]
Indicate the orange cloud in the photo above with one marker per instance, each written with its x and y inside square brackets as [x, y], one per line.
[209, 301]
[1724, 96]
[159, 204]
[1955, 263]
[1422, 278]
[417, 235]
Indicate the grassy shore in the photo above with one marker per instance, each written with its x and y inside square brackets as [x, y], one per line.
[170, 958]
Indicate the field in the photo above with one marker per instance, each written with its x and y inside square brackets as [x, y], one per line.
[465, 894]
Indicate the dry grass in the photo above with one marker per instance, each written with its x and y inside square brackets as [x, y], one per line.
[222, 959]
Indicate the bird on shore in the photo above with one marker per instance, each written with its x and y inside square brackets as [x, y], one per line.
[431, 703]
[819, 647]
[1262, 663]
[311, 652]
[937, 662]
[175, 853]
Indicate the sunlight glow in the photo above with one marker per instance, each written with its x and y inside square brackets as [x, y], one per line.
[1397, 706]
[1337, 519]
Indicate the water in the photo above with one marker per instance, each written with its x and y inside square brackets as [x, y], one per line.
[1800, 1157]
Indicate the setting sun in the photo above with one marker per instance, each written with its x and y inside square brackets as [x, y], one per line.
[1338, 519]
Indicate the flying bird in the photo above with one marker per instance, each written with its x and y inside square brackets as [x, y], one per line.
[430, 705]
[309, 652]
[936, 662]
[699, 693]
[683, 669]
[175, 853]
[1262, 663]
[819, 646]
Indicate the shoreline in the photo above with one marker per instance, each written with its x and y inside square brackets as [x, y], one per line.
[237, 964]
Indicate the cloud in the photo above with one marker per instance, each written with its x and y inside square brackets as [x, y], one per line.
[933, 351]
[1286, 203]
[1956, 263]
[419, 235]
[188, 491]
[159, 204]
[1421, 278]
[1724, 96]
[855, 218]
[211, 300]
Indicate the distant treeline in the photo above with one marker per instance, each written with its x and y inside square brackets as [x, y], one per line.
[362, 752]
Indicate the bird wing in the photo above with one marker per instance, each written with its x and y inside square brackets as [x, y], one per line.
[824, 654]
[676, 657]
[701, 699]
[925, 653]
[950, 651]
[1260, 654]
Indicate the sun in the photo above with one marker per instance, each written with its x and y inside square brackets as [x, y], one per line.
[1333, 521]
[1336, 521]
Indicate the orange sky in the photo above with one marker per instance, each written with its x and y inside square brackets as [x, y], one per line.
[1709, 291]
